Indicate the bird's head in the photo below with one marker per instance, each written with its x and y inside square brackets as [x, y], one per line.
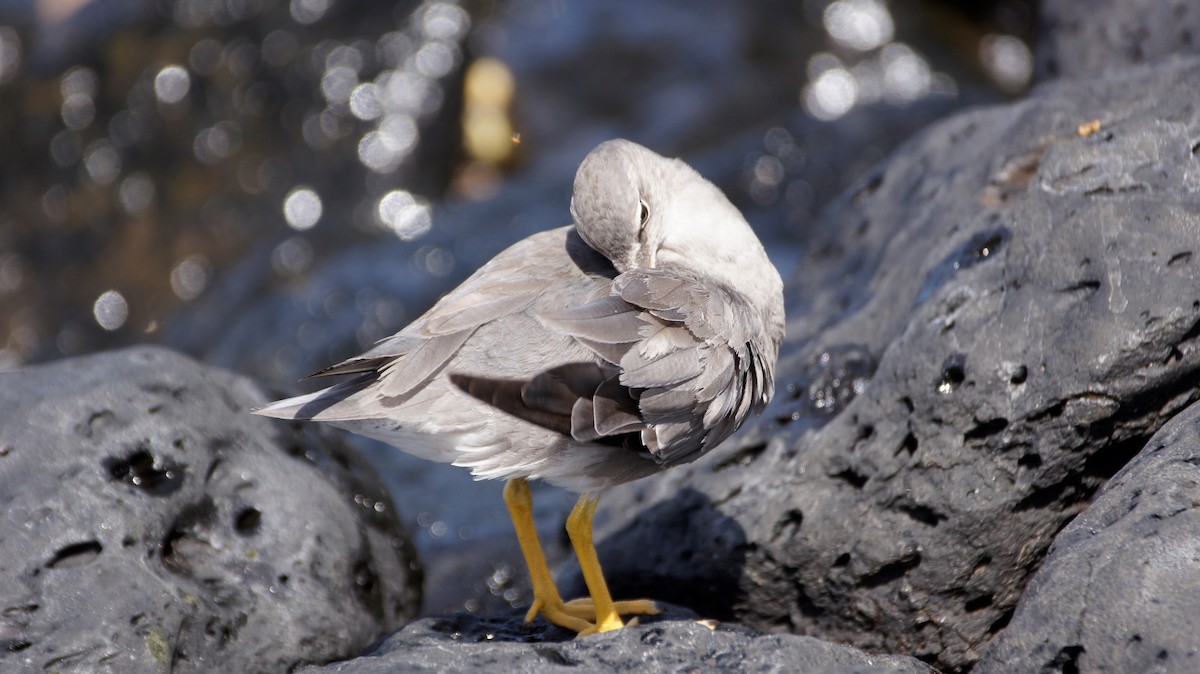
[642, 210]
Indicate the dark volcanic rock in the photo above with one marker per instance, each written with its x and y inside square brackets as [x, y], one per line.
[1079, 39]
[998, 319]
[152, 524]
[1120, 589]
[671, 643]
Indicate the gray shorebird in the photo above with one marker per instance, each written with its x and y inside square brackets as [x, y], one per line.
[587, 356]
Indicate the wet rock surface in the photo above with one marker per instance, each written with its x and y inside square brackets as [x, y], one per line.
[1119, 590]
[994, 322]
[673, 642]
[152, 524]
[1079, 39]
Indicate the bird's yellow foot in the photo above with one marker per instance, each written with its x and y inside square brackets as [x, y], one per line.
[585, 608]
[557, 613]
[599, 613]
[579, 615]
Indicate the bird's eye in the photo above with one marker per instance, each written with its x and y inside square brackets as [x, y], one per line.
[643, 213]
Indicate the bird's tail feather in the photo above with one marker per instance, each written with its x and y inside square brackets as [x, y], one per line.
[336, 403]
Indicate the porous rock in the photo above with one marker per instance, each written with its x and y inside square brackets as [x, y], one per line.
[992, 324]
[1085, 38]
[673, 642]
[1120, 589]
[152, 524]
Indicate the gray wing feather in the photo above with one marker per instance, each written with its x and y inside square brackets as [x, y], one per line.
[407, 373]
[673, 367]
[471, 312]
[556, 390]
[383, 351]
[614, 409]
[505, 394]
[689, 371]
[609, 320]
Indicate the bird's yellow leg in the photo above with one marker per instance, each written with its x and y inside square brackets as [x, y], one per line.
[601, 605]
[546, 599]
[579, 614]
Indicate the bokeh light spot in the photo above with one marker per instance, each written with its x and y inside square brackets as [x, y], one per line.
[309, 11]
[859, 24]
[401, 213]
[78, 111]
[102, 161]
[10, 53]
[1008, 61]
[293, 256]
[302, 208]
[338, 83]
[110, 310]
[171, 84]
[830, 95]
[190, 277]
[364, 102]
[137, 193]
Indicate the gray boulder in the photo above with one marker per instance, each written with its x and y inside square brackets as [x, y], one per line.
[993, 323]
[1080, 39]
[1120, 588]
[152, 524]
[671, 643]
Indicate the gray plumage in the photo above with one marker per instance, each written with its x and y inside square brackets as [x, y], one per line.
[588, 355]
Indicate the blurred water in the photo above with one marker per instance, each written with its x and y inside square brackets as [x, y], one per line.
[272, 185]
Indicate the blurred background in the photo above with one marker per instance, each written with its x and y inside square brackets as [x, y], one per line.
[273, 185]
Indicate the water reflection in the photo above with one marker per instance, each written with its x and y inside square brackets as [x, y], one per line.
[191, 133]
[218, 147]
[895, 74]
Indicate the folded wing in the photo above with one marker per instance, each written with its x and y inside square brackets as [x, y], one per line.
[680, 363]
